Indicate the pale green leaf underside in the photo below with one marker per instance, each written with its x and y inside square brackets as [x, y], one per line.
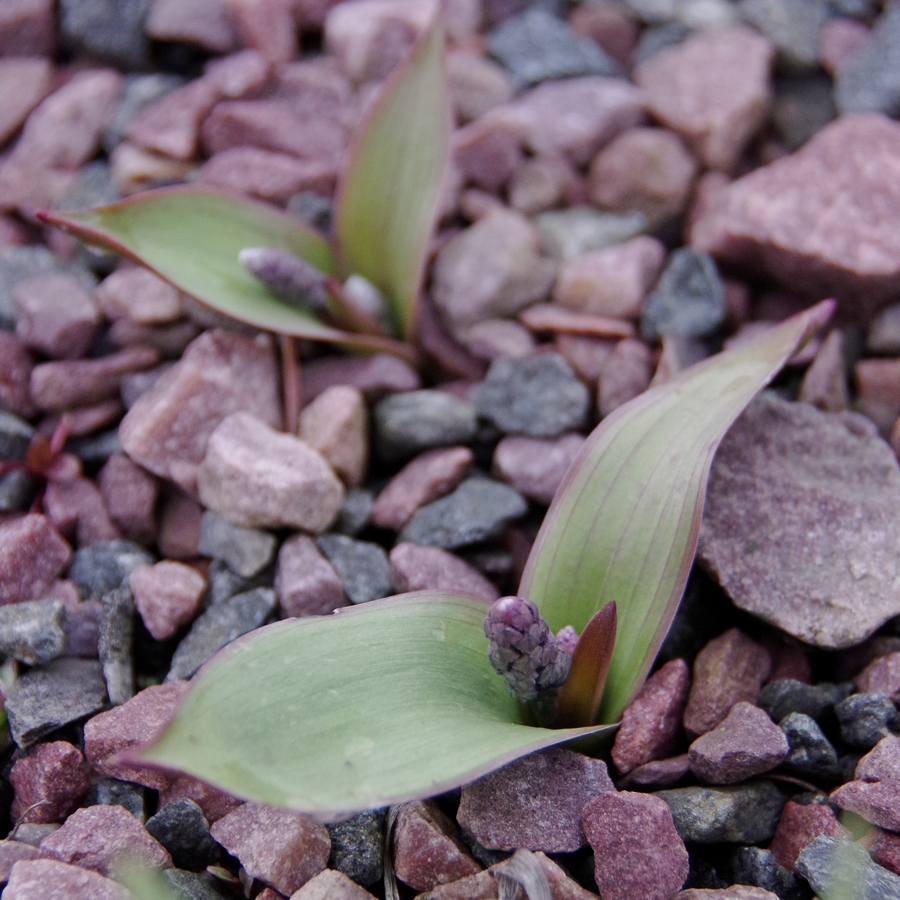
[389, 194]
[381, 703]
[192, 237]
[624, 524]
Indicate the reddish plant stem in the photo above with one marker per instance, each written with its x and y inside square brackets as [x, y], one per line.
[291, 380]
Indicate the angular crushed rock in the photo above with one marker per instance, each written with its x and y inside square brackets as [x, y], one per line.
[799, 826]
[306, 583]
[416, 568]
[49, 784]
[47, 879]
[801, 523]
[875, 792]
[32, 557]
[32, 631]
[246, 550]
[834, 867]
[363, 566]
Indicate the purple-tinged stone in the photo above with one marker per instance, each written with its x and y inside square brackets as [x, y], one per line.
[285, 849]
[535, 467]
[305, 581]
[375, 376]
[534, 802]
[32, 556]
[167, 596]
[428, 849]
[799, 825]
[135, 293]
[47, 879]
[745, 743]
[881, 676]
[651, 723]
[625, 374]
[11, 851]
[49, 784]
[875, 794]
[256, 477]
[76, 509]
[886, 850]
[24, 82]
[660, 772]
[330, 885]
[99, 837]
[729, 669]
[820, 219]
[426, 478]
[16, 364]
[825, 383]
[877, 391]
[168, 427]
[130, 495]
[416, 568]
[801, 522]
[638, 854]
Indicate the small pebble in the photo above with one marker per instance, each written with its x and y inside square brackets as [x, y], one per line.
[357, 846]
[183, 831]
[865, 719]
[363, 566]
[103, 567]
[167, 596]
[306, 583]
[32, 631]
[811, 754]
[247, 551]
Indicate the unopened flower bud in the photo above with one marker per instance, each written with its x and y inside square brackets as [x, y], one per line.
[523, 649]
[290, 278]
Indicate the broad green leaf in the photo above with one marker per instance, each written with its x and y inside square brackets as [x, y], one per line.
[191, 238]
[376, 705]
[388, 198]
[623, 526]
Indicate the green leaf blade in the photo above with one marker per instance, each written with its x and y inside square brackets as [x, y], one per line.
[624, 525]
[388, 198]
[380, 704]
[191, 237]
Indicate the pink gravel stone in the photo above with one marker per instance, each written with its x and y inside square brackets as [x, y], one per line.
[55, 315]
[307, 583]
[535, 467]
[494, 338]
[24, 82]
[626, 373]
[713, 88]
[575, 117]
[651, 723]
[648, 169]
[98, 837]
[285, 849]
[336, 424]
[586, 355]
[330, 885]
[257, 477]
[799, 826]
[135, 293]
[214, 803]
[267, 175]
[839, 39]
[81, 622]
[49, 784]
[47, 879]
[32, 556]
[881, 676]
[819, 218]
[202, 22]
[543, 182]
[167, 596]
[11, 851]
[875, 792]
[729, 669]
[179, 526]
[16, 364]
[534, 802]
[428, 477]
[825, 383]
[660, 772]
[488, 151]
[613, 282]
[138, 721]
[167, 429]
[610, 25]
[417, 568]
[745, 743]
[131, 495]
[61, 384]
[267, 26]
[476, 84]
[375, 376]
[553, 318]
[76, 510]
[878, 390]
[428, 849]
[27, 28]
[638, 854]
[886, 851]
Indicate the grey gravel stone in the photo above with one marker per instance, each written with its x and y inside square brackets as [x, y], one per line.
[101, 568]
[46, 698]
[363, 566]
[688, 300]
[246, 550]
[356, 511]
[15, 436]
[182, 829]
[220, 625]
[17, 490]
[412, 421]
[116, 644]
[758, 867]
[746, 814]
[658, 37]
[223, 582]
[536, 46]
[32, 631]
[802, 106]
[477, 510]
[195, 886]
[357, 846]
[784, 696]
[567, 233]
[111, 30]
[792, 25]
[140, 91]
[114, 792]
[539, 396]
[95, 449]
[812, 755]
[869, 81]
[837, 868]
[865, 719]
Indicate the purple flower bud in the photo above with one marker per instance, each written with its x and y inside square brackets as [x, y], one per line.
[290, 278]
[567, 638]
[523, 649]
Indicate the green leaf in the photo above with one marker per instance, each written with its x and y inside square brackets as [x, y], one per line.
[623, 526]
[388, 199]
[376, 705]
[191, 238]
